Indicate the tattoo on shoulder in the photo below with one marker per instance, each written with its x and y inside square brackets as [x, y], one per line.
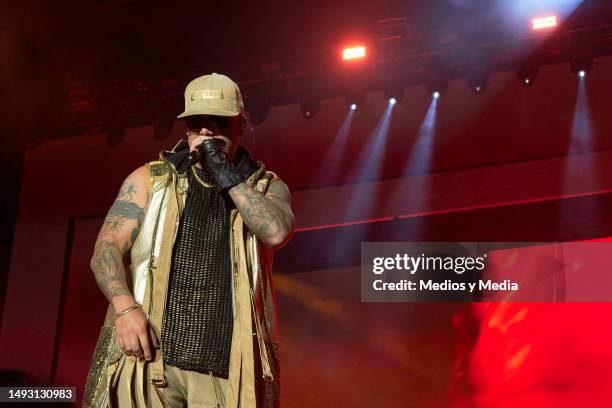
[127, 190]
[120, 212]
[126, 210]
[123, 209]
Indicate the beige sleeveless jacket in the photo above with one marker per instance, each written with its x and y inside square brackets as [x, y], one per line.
[253, 350]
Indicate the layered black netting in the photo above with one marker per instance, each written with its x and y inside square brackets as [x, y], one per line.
[198, 322]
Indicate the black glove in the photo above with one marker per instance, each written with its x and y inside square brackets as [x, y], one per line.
[214, 160]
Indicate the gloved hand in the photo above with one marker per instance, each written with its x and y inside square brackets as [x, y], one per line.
[214, 160]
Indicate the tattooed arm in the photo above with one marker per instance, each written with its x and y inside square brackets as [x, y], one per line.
[116, 236]
[268, 216]
[134, 334]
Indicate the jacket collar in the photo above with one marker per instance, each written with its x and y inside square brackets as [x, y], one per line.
[177, 157]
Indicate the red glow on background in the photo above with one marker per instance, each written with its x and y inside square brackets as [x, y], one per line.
[353, 53]
[544, 22]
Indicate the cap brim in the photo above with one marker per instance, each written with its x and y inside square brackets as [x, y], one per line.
[216, 112]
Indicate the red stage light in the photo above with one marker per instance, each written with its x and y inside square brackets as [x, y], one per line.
[544, 22]
[352, 53]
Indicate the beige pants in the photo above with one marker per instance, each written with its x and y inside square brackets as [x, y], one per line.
[185, 389]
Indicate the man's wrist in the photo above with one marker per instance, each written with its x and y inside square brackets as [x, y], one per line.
[127, 310]
[122, 302]
[226, 178]
[233, 190]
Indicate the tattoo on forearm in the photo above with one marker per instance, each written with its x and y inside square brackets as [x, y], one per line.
[256, 212]
[107, 261]
[107, 265]
[262, 216]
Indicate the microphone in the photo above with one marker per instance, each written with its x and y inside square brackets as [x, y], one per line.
[197, 155]
[194, 156]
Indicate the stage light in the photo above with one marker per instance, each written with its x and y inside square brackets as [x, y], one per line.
[393, 93]
[581, 66]
[527, 75]
[436, 91]
[436, 79]
[478, 82]
[420, 157]
[355, 99]
[331, 165]
[354, 53]
[370, 159]
[543, 23]
[309, 108]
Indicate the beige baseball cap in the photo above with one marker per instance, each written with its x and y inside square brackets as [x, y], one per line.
[213, 94]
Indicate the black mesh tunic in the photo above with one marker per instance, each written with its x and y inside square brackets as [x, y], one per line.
[197, 326]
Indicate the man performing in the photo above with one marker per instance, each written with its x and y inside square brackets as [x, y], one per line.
[193, 323]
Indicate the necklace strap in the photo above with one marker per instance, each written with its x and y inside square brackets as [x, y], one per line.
[202, 182]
